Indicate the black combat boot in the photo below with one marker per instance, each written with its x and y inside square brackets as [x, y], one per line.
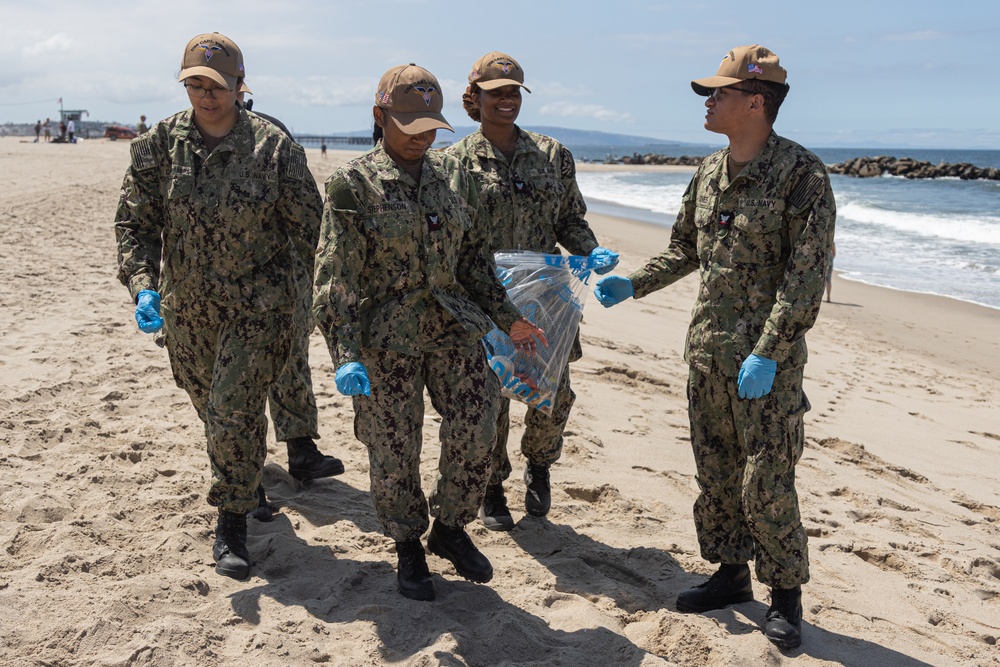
[783, 622]
[538, 497]
[494, 513]
[305, 461]
[455, 545]
[263, 512]
[412, 575]
[232, 559]
[729, 585]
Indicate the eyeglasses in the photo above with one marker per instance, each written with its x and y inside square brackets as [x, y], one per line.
[715, 92]
[200, 91]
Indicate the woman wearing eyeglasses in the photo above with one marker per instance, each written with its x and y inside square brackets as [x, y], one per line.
[214, 207]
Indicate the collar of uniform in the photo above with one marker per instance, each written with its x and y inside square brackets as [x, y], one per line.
[484, 148]
[185, 125]
[242, 134]
[430, 167]
[759, 167]
[481, 146]
[241, 137]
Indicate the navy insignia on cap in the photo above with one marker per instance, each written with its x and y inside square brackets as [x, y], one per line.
[209, 50]
[427, 90]
[505, 65]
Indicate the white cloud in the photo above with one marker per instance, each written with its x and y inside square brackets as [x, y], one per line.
[595, 111]
[58, 43]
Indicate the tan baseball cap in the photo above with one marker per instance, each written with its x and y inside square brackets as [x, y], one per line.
[497, 69]
[244, 88]
[412, 98]
[741, 64]
[213, 55]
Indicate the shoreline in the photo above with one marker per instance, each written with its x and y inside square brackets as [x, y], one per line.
[980, 323]
[669, 168]
[843, 275]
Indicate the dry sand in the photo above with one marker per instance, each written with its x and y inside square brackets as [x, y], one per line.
[106, 537]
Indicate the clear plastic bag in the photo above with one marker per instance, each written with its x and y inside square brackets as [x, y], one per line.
[550, 291]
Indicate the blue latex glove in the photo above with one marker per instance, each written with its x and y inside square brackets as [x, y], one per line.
[613, 290]
[610, 258]
[147, 311]
[756, 376]
[352, 379]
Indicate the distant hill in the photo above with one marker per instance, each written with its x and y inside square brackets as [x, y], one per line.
[589, 138]
[569, 136]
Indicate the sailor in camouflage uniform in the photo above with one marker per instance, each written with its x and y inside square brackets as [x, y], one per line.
[757, 224]
[216, 208]
[294, 412]
[527, 184]
[405, 289]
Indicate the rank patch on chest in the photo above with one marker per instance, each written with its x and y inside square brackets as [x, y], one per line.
[521, 187]
[725, 218]
[434, 222]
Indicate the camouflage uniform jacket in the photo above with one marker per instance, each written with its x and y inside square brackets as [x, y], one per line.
[219, 227]
[760, 244]
[533, 202]
[405, 267]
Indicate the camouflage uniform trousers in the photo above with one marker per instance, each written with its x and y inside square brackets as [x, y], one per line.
[390, 422]
[745, 452]
[542, 441]
[226, 362]
[291, 398]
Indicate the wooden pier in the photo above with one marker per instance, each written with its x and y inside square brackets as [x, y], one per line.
[318, 140]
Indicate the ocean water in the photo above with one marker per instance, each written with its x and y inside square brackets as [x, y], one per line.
[936, 236]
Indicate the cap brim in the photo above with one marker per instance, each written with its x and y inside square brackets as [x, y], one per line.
[245, 89]
[229, 82]
[417, 122]
[499, 83]
[704, 87]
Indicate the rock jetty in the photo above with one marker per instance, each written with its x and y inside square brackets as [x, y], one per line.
[870, 167]
[655, 158]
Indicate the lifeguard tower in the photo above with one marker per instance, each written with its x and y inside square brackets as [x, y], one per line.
[66, 115]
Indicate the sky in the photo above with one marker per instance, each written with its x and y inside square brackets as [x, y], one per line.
[862, 73]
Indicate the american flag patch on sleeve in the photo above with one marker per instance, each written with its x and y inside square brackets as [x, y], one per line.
[296, 168]
[142, 154]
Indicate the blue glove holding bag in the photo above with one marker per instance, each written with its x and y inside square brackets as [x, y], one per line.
[352, 379]
[609, 257]
[756, 376]
[613, 290]
[147, 311]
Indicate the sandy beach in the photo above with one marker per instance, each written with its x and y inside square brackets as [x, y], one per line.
[106, 536]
